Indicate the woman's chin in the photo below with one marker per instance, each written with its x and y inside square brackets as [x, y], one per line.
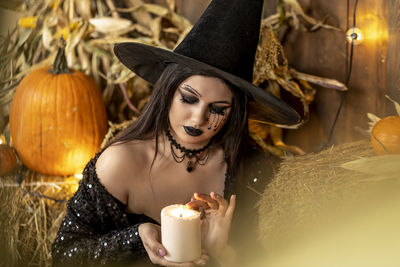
[194, 142]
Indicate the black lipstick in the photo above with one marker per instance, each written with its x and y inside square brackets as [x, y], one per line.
[192, 131]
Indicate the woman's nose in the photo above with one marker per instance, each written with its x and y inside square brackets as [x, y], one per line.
[199, 116]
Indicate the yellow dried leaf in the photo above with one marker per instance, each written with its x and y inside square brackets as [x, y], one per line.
[28, 22]
[64, 32]
[74, 25]
[55, 4]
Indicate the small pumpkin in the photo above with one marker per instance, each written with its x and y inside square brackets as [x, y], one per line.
[57, 119]
[385, 136]
[8, 160]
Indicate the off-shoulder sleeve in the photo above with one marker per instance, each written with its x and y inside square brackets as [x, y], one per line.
[96, 229]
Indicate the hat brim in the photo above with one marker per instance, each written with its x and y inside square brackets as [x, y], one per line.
[149, 63]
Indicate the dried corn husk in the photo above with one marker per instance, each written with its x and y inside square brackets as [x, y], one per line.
[108, 25]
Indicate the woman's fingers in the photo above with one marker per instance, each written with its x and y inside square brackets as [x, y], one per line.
[203, 259]
[222, 203]
[154, 248]
[212, 203]
[231, 208]
[197, 204]
[150, 235]
[157, 253]
[164, 262]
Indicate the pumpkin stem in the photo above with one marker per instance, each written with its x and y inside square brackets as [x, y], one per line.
[60, 63]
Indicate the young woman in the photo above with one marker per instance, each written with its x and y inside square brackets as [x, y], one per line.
[186, 146]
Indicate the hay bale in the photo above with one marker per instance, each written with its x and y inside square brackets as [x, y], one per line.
[308, 192]
[29, 220]
[32, 207]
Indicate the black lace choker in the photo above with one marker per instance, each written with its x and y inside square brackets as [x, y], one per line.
[191, 154]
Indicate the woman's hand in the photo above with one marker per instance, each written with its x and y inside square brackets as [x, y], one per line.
[151, 237]
[216, 223]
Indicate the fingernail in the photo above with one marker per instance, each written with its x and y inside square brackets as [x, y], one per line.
[162, 252]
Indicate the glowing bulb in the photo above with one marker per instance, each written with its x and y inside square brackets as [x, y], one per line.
[355, 35]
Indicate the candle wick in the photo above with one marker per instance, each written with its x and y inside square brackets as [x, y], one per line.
[180, 215]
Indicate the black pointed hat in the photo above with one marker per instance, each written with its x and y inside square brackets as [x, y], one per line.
[223, 40]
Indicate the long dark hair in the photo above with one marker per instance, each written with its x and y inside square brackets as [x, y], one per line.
[153, 120]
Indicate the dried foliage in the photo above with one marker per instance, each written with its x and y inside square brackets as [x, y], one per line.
[90, 28]
[290, 12]
[272, 71]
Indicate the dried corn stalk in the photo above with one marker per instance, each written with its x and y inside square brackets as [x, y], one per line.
[272, 71]
[291, 12]
[91, 28]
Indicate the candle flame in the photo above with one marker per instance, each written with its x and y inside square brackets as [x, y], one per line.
[180, 211]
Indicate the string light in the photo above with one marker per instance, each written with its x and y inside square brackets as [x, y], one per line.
[355, 35]
[353, 38]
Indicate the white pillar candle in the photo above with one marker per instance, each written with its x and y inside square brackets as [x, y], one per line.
[180, 233]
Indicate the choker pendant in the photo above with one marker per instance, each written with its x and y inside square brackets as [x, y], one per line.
[189, 165]
[192, 155]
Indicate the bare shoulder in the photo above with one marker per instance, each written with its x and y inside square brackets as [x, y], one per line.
[119, 165]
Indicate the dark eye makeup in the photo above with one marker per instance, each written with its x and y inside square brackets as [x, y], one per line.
[188, 99]
[193, 100]
[217, 110]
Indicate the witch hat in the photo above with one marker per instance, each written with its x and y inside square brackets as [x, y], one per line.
[223, 40]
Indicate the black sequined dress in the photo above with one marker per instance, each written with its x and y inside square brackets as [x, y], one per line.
[97, 230]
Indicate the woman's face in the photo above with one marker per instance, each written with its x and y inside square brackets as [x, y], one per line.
[200, 107]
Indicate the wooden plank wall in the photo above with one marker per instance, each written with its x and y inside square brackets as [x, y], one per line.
[324, 53]
[375, 70]
[393, 55]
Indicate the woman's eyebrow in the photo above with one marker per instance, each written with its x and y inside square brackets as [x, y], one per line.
[190, 89]
[222, 102]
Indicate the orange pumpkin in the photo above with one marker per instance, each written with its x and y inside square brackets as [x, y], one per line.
[57, 119]
[8, 160]
[385, 136]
